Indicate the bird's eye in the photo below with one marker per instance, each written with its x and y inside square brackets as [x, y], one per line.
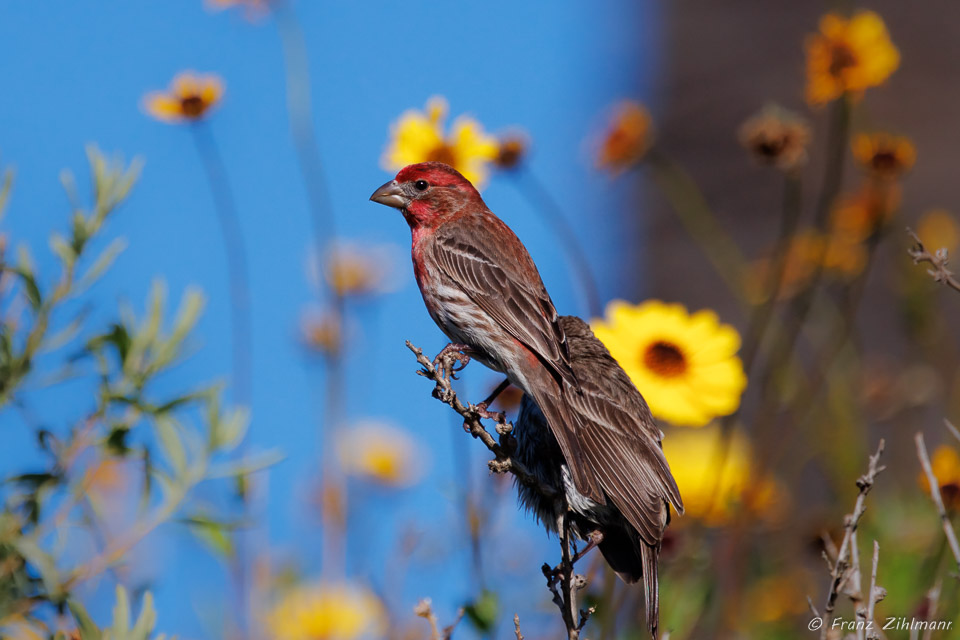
[421, 185]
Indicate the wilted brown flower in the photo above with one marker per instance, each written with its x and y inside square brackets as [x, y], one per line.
[776, 137]
[627, 139]
[884, 155]
[511, 151]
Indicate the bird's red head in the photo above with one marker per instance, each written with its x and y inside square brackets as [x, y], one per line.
[429, 193]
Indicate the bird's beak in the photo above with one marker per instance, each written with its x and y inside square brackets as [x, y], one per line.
[391, 195]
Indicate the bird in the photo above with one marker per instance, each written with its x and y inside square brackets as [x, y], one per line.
[623, 445]
[483, 290]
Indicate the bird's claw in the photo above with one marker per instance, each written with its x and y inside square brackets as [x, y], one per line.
[450, 356]
[497, 416]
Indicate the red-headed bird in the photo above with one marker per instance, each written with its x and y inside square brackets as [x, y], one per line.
[483, 290]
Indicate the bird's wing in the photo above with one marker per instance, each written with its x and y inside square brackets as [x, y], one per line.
[618, 436]
[502, 279]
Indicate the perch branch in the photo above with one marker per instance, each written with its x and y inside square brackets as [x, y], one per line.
[937, 260]
[937, 498]
[503, 447]
[424, 609]
[841, 570]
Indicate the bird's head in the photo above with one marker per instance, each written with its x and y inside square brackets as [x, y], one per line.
[428, 193]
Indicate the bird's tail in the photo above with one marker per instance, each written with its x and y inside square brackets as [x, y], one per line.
[651, 586]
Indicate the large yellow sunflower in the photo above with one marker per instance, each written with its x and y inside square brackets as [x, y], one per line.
[419, 136]
[685, 365]
[716, 479]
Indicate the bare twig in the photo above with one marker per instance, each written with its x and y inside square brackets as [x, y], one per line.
[933, 600]
[952, 429]
[565, 597]
[876, 593]
[501, 447]
[937, 498]
[842, 566]
[938, 261]
[424, 609]
[516, 626]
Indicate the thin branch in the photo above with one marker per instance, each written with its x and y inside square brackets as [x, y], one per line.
[502, 447]
[516, 626]
[933, 600]
[937, 498]
[424, 609]
[840, 572]
[952, 429]
[938, 261]
[565, 597]
[876, 593]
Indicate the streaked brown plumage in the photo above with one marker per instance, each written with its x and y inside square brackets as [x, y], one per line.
[620, 446]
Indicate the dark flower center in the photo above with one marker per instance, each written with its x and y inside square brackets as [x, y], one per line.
[885, 161]
[442, 153]
[951, 495]
[192, 106]
[665, 359]
[841, 59]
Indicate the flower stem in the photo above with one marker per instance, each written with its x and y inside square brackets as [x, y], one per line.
[701, 223]
[540, 199]
[241, 332]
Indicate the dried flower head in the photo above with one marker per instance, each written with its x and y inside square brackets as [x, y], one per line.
[190, 97]
[848, 56]
[776, 137]
[884, 155]
[627, 139]
[512, 151]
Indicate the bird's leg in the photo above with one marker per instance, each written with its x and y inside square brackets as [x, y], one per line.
[453, 352]
[497, 416]
[594, 538]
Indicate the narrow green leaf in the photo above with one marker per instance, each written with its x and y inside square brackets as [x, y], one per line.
[146, 620]
[171, 443]
[250, 464]
[88, 629]
[121, 614]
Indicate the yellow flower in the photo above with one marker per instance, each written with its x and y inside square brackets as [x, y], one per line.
[420, 137]
[776, 137]
[189, 98]
[714, 486]
[627, 139]
[358, 271]
[327, 612]
[884, 155]
[685, 365]
[848, 55]
[946, 467]
[937, 229]
[381, 453]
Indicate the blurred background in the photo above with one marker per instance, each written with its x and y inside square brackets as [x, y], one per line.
[205, 392]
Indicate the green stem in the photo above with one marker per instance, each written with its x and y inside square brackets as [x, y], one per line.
[691, 207]
[550, 211]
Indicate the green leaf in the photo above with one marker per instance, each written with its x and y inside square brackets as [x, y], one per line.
[171, 443]
[121, 614]
[64, 251]
[146, 620]
[30, 287]
[103, 262]
[483, 611]
[88, 630]
[214, 534]
[228, 431]
[247, 465]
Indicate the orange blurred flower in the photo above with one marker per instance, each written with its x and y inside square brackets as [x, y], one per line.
[627, 139]
[884, 155]
[946, 467]
[322, 332]
[848, 55]
[863, 213]
[777, 137]
[190, 97]
[937, 229]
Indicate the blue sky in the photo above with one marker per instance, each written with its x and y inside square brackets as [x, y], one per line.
[75, 73]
